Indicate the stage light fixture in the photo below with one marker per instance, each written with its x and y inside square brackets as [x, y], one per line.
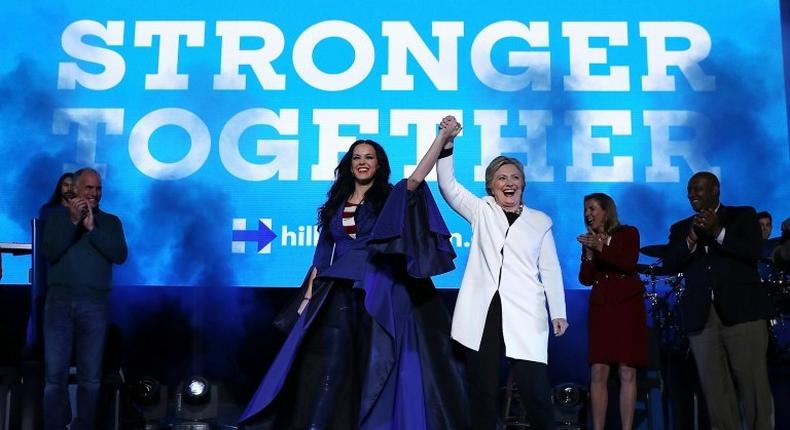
[197, 391]
[570, 405]
[196, 404]
[150, 397]
[567, 395]
[146, 391]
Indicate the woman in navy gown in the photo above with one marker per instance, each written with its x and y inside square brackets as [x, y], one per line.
[368, 343]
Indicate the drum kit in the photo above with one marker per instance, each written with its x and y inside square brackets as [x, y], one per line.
[777, 282]
[664, 295]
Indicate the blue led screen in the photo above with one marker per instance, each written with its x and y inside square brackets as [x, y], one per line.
[217, 126]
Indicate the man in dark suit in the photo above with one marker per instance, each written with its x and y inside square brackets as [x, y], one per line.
[724, 305]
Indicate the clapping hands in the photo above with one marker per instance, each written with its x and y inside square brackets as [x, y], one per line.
[593, 241]
[708, 222]
[80, 211]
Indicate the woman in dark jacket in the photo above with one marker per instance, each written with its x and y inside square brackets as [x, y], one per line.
[617, 320]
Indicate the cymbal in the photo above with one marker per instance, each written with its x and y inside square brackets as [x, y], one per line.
[648, 269]
[657, 251]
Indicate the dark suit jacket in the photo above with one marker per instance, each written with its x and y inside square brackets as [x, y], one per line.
[728, 269]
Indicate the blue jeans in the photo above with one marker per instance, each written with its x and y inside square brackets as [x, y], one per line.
[81, 323]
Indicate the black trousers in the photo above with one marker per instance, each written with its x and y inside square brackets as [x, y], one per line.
[483, 370]
[328, 397]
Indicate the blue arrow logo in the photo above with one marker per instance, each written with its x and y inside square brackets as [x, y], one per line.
[262, 236]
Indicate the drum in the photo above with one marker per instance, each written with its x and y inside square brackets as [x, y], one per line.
[777, 282]
[663, 296]
[779, 342]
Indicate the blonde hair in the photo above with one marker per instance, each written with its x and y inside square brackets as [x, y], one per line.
[496, 164]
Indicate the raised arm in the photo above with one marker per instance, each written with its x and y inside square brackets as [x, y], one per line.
[742, 239]
[448, 129]
[458, 197]
[679, 251]
[587, 269]
[623, 251]
[60, 233]
[107, 237]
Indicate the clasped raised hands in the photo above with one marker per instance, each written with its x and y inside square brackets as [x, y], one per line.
[449, 128]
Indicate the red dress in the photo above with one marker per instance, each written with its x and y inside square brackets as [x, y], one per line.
[617, 320]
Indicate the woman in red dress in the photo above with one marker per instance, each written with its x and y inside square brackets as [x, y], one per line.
[617, 320]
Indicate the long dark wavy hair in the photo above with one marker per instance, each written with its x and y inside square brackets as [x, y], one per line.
[343, 186]
[56, 197]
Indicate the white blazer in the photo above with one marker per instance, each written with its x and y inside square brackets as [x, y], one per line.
[526, 257]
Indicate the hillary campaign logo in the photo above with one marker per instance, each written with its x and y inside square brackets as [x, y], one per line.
[293, 237]
[262, 236]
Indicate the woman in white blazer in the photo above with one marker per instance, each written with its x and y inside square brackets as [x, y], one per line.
[512, 273]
